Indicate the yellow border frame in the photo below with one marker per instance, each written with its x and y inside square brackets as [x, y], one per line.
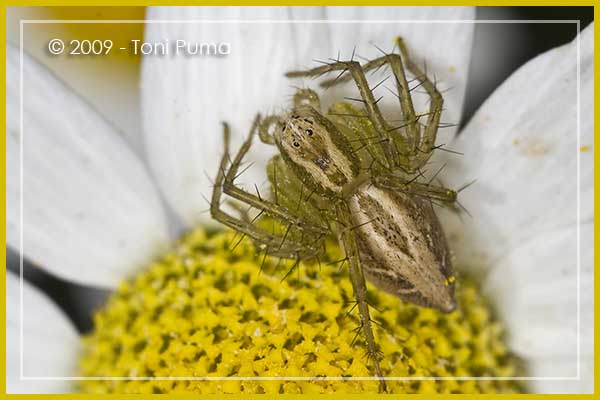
[596, 5]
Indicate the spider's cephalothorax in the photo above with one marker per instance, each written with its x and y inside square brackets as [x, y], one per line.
[352, 175]
[317, 152]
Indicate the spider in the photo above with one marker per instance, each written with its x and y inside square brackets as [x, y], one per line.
[350, 174]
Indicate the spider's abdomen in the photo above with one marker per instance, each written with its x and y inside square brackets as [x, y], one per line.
[402, 247]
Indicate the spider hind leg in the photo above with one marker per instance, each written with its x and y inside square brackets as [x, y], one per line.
[359, 287]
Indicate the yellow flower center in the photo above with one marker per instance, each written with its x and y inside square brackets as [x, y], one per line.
[206, 311]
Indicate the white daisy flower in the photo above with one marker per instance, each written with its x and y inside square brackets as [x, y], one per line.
[95, 211]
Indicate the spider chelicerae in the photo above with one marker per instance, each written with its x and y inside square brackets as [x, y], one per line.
[351, 174]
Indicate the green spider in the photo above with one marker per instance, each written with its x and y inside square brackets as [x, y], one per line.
[350, 174]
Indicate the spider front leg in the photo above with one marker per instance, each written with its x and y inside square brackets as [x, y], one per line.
[273, 244]
[359, 287]
[426, 190]
[268, 207]
[390, 147]
[410, 123]
[415, 149]
[427, 141]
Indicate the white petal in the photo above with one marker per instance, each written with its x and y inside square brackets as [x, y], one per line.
[522, 147]
[90, 211]
[535, 289]
[50, 343]
[184, 99]
[111, 83]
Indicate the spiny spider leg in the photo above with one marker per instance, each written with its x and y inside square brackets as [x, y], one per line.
[359, 287]
[269, 207]
[416, 188]
[363, 133]
[419, 146]
[406, 104]
[373, 111]
[427, 141]
[274, 245]
[289, 191]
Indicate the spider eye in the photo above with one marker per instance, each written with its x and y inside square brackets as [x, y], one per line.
[309, 132]
[296, 144]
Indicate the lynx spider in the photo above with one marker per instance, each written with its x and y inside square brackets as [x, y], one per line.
[368, 196]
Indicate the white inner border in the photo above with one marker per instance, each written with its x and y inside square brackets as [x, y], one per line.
[305, 378]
